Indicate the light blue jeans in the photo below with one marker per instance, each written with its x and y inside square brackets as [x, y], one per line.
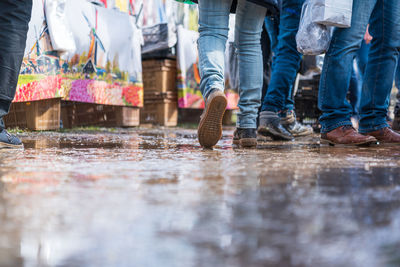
[213, 29]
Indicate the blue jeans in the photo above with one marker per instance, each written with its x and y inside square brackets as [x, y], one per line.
[272, 27]
[213, 29]
[14, 19]
[286, 61]
[384, 19]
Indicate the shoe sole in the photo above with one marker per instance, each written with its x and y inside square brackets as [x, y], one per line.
[248, 142]
[305, 133]
[330, 143]
[210, 127]
[5, 145]
[265, 132]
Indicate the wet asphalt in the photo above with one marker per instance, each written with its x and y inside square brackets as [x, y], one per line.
[153, 197]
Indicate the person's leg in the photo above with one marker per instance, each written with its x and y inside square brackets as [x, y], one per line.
[286, 61]
[285, 65]
[14, 19]
[272, 27]
[382, 61]
[213, 35]
[249, 22]
[213, 30]
[336, 72]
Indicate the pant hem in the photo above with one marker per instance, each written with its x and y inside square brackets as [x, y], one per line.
[326, 129]
[374, 128]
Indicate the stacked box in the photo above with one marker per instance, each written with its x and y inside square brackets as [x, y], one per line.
[35, 115]
[160, 94]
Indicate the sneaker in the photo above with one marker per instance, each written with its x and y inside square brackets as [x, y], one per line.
[270, 125]
[8, 140]
[245, 137]
[347, 136]
[210, 126]
[294, 127]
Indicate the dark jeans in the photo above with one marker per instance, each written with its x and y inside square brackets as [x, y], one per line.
[14, 19]
[383, 17]
[286, 61]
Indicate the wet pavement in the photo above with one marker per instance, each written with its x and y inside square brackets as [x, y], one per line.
[153, 197]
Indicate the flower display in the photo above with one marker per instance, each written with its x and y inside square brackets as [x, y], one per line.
[133, 95]
[77, 89]
[45, 87]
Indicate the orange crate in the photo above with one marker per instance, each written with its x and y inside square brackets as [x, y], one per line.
[35, 115]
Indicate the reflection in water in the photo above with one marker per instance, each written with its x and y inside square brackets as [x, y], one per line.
[155, 198]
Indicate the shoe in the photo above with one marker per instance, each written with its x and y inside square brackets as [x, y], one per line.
[348, 136]
[8, 140]
[210, 126]
[294, 127]
[386, 136]
[270, 125]
[245, 137]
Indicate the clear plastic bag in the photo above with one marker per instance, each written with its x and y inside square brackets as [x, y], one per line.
[312, 38]
[333, 12]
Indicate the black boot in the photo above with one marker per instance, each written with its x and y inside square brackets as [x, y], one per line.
[245, 137]
[270, 125]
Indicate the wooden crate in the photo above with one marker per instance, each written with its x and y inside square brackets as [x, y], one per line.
[77, 114]
[35, 115]
[159, 75]
[127, 116]
[160, 113]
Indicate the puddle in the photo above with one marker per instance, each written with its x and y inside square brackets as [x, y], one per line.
[155, 198]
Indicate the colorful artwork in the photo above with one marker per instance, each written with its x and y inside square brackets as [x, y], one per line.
[39, 87]
[100, 65]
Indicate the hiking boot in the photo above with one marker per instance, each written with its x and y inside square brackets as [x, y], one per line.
[386, 136]
[270, 125]
[348, 136]
[294, 127]
[8, 140]
[210, 126]
[245, 137]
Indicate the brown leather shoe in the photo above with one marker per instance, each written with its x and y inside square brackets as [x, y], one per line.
[348, 136]
[210, 126]
[386, 136]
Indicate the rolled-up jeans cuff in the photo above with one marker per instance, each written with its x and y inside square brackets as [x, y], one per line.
[328, 128]
[373, 128]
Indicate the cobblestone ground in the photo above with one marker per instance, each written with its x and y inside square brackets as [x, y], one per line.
[154, 198]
